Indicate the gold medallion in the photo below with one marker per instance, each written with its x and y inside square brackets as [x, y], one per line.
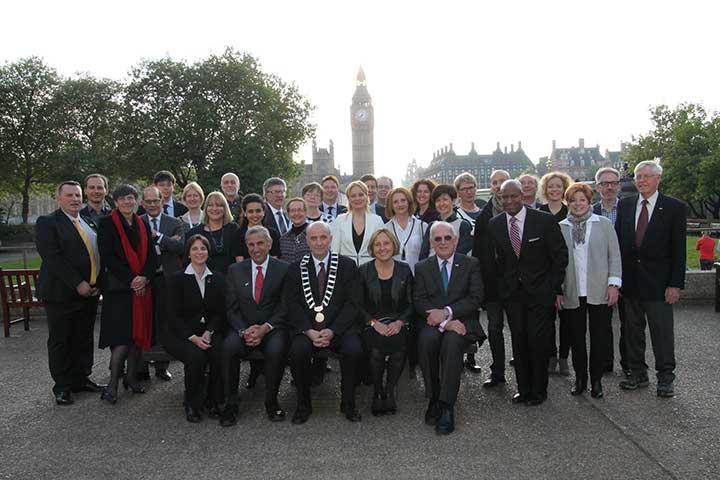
[319, 317]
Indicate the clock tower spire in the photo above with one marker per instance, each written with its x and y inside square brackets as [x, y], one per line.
[361, 123]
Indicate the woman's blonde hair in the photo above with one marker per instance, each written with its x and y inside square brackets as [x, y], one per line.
[390, 235]
[220, 198]
[193, 186]
[389, 211]
[361, 186]
[564, 178]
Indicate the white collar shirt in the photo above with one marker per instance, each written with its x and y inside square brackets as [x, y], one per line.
[325, 261]
[520, 216]
[652, 201]
[199, 279]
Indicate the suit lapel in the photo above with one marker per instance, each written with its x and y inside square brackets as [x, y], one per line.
[438, 276]
[506, 235]
[69, 227]
[456, 274]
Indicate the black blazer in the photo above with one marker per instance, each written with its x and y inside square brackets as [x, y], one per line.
[369, 298]
[464, 295]
[340, 315]
[219, 259]
[340, 209]
[660, 261]
[242, 311]
[538, 274]
[186, 307]
[270, 220]
[171, 251]
[65, 259]
[178, 209]
[484, 252]
[380, 212]
[559, 216]
[118, 275]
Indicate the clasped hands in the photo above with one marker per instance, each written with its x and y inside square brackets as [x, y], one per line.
[438, 315]
[254, 334]
[85, 290]
[320, 338]
[203, 341]
[392, 328]
[138, 285]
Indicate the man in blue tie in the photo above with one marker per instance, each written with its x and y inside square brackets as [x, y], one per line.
[448, 294]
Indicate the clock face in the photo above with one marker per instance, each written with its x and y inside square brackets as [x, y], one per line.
[361, 115]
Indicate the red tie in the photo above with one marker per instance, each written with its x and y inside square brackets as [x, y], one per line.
[642, 224]
[258, 284]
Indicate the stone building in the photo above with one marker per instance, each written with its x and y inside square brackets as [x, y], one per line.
[579, 162]
[446, 164]
[362, 121]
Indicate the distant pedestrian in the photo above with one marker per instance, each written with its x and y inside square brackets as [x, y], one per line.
[706, 246]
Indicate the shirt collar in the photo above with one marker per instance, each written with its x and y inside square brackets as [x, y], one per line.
[72, 219]
[274, 210]
[652, 201]
[520, 215]
[333, 205]
[189, 270]
[449, 260]
[317, 262]
[263, 265]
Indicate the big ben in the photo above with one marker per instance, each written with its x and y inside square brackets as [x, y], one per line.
[361, 122]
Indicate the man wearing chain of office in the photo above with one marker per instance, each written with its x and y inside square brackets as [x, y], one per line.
[322, 316]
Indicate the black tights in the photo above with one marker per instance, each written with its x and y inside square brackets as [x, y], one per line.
[394, 366]
[119, 354]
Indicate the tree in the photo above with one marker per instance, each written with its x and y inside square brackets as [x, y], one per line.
[217, 115]
[687, 140]
[29, 126]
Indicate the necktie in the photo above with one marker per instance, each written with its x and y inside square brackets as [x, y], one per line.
[281, 222]
[322, 279]
[642, 224]
[329, 215]
[515, 236]
[258, 284]
[155, 225]
[444, 274]
[86, 240]
[165, 208]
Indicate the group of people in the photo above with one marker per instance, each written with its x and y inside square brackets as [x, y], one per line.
[395, 276]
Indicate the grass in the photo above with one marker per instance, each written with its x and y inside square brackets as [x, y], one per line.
[693, 256]
[32, 262]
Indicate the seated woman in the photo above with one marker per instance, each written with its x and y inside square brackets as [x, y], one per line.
[386, 306]
[129, 259]
[351, 231]
[253, 207]
[218, 227]
[592, 280]
[196, 315]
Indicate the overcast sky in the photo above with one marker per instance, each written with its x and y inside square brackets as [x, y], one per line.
[457, 72]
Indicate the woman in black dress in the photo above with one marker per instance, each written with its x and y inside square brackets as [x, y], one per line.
[386, 306]
[196, 314]
[129, 260]
[218, 227]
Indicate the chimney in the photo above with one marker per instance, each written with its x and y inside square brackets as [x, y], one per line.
[450, 146]
[519, 145]
[505, 150]
[581, 143]
[512, 148]
[553, 145]
[497, 146]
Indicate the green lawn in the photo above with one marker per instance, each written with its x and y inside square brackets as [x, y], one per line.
[33, 262]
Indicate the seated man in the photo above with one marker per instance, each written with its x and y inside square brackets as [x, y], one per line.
[321, 315]
[256, 317]
[448, 294]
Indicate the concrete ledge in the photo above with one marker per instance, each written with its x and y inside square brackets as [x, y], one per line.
[699, 286]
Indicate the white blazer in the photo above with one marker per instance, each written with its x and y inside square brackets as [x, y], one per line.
[342, 241]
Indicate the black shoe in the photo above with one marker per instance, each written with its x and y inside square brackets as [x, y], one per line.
[493, 381]
[88, 386]
[389, 404]
[471, 365]
[275, 413]
[228, 417]
[213, 410]
[518, 398]
[192, 415]
[627, 372]
[534, 402]
[108, 397]
[512, 362]
[350, 412]
[432, 413]
[300, 417]
[446, 423]
[163, 375]
[378, 407]
[252, 379]
[665, 391]
[633, 383]
[596, 390]
[579, 388]
[142, 376]
[64, 398]
[134, 388]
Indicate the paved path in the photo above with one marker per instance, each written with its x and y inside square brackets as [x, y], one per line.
[627, 435]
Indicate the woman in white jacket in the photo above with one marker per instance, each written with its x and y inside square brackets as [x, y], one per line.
[592, 280]
[351, 231]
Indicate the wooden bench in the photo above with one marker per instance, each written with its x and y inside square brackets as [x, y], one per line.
[17, 290]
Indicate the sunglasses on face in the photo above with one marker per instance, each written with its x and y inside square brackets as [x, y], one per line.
[447, 238]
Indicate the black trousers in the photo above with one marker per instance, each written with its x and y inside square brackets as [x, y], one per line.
[195, 361]
[274, 347]
[563, 351]
[622, 342]
[600, 317]
[71, 342]
[531, 329]
[496, 323]
[440, 355]
[659, 317]
[349, 346]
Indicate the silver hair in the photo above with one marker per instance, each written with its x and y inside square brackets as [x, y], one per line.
[504, 172]
[513, 182]
[386, 178]
[320, 223]
[605, 170]
[151, 187]
[271, 182]
[654, 166]
[258, 229]
[437, 224]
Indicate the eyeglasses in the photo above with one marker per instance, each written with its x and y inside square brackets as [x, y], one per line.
[447, 238]
[609, 184]
[645, 177]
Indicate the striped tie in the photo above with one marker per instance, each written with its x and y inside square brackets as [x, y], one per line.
[515, 235]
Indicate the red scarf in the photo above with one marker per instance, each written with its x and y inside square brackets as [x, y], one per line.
[141, 305]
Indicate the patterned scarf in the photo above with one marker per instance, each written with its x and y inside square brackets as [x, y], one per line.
[497, 206]
[579, 225]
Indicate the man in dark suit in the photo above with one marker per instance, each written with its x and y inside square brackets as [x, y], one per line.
[330, 205]
[67, 244]
[322, 315]
[531, 258]
[275, 191]
[447, 297]
[651, 230]
[165, 182]
[371, 182]
[256, 315]
[168, 236]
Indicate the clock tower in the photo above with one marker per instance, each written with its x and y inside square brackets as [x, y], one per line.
[361, 123]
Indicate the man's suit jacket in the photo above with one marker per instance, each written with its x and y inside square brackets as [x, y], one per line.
[483, 251]
[186, 307]
[270, 220]
[178, 209]
[380, 212]
[65, 259]
[171, 250]
[464, 295]
[341, 315]
[242, 311]
[660, 261]
[538, 274]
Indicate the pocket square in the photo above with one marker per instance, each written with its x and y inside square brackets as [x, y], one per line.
[247, 283]
[534, 239]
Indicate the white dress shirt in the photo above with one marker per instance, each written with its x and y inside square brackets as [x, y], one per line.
[410, 238]
[325, 261]
[652, 201]
[520, 216]
[189, 270]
